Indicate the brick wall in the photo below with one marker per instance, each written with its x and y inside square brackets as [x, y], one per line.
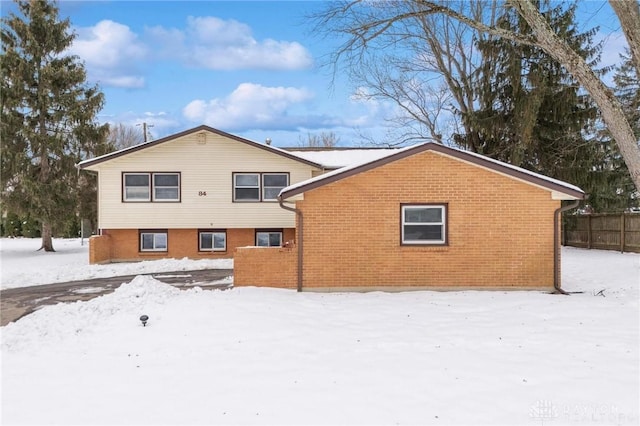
[500, 230]
[267, 267]
[118, 245]
[99, 249]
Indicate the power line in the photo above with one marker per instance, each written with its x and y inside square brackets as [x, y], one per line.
[144, 129]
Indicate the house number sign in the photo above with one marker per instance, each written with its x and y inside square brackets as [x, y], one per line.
[202, 193]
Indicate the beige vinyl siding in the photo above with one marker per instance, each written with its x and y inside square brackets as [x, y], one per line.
[205, 168]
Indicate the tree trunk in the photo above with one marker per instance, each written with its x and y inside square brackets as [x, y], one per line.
[47, 241]
[628, 12]
[610, 107]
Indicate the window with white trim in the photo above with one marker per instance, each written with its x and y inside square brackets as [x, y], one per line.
[246, 187]
[212, 241]
[153, 241]
[272, 184]
[166, 187]
[136, 187]
[424, 224]
[157, 187]
[256, 187]
[269, 238]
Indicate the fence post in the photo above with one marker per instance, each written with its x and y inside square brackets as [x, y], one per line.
[589, 231]
[622, 232]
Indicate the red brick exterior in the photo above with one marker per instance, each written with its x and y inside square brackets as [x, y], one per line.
[500, 231]
[266, 267]
[118, 245]
[99, 249]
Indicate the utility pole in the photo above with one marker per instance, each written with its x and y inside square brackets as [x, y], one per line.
[144, 129]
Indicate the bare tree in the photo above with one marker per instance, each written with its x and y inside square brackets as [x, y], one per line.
[628, 12]
[424, 64]
[544, 37]
[123, 136]
[321, 140]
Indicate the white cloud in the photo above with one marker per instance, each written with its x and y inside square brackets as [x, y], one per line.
[110, 51]
[218, 44]
[128, 81]
[250, 106]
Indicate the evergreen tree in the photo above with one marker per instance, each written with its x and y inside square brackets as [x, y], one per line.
[48, 116]
[627, 85]
[627, 89]
[532, 113]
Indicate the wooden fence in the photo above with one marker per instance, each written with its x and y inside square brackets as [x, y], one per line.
[616, 231]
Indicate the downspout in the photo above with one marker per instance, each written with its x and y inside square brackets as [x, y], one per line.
[299, 235]
[556, 244]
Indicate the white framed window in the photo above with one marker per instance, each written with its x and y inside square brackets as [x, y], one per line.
[256, 187]
[153, 241]
[246, 187]
[166, 187]
[136, 187]
[212, 241]
[272, 184]
[149, 186]
[424, 224]
[269, 238]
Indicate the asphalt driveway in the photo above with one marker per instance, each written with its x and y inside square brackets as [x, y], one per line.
[18, 302]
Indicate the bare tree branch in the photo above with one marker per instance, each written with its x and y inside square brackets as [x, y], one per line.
[378, 23]
[628, 12]
[610, 107]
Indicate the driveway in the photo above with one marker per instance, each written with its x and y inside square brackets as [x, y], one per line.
[18, 302]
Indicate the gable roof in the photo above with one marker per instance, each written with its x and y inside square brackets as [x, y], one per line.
[126, 151]
[571, 191]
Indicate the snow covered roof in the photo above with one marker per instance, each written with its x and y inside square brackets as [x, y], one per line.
[335, 158]
[571, 191]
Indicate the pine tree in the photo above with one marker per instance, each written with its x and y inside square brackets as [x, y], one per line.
[627, 89]
[48, 116]
[627, 83]
[533, 114]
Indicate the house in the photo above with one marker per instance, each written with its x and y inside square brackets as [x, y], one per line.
[428, 216]
[199, 194]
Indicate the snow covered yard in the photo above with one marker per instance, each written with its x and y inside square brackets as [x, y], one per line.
[270, 356]
[22, 265]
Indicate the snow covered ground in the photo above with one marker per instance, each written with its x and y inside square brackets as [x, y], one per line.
[270, 356]
[22, 265]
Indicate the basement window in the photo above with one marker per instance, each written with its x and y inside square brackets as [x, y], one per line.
[269, 238]
[212, 241]
[153, 241]
[424, 224]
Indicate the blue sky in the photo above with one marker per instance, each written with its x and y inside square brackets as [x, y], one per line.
[248, 68]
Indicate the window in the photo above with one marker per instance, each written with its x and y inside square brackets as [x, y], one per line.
[156, 187]
[269, 238]
[246, 187]
[136, 187]
[423, 224]
[212, 241]
[166, 187]
[272, 184]
[255, 187]
[153, 241]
